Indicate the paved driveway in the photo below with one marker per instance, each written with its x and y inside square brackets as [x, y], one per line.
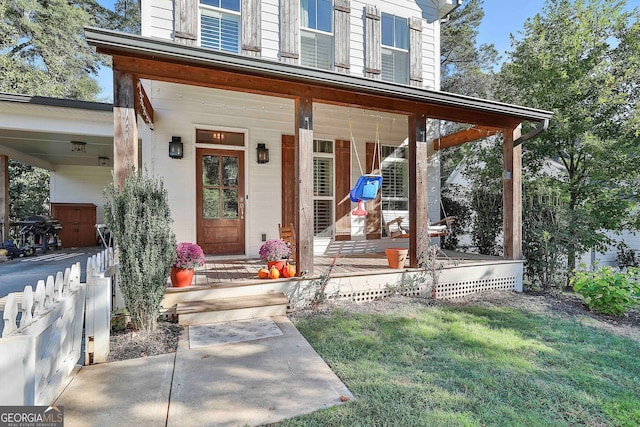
[20, 272]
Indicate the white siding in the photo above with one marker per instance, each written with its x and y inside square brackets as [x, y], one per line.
[81, 184]
[270, 29]
[609, 257]
[157, 21]
[179, 110]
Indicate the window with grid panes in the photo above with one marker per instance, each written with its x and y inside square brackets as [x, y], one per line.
[395, 49]
[323, 188]
[395, 179]
[220, 25]
[316, 33]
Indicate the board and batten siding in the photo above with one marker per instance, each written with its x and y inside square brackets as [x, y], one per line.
[81, 184]
[179, 110]
[158, 22]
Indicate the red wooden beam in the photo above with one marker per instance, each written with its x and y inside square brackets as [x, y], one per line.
[464, 136]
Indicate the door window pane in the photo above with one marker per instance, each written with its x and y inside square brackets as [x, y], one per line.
[229, 171]
[211, 203]
[211, 170]
[230, 206]
[323, 218]
[322, 177]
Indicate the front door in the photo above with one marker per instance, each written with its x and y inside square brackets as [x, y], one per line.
[220, 201]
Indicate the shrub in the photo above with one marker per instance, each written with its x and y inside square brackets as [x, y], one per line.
[608, 290]
[139, 218]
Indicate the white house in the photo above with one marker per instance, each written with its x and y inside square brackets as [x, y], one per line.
[322, 85]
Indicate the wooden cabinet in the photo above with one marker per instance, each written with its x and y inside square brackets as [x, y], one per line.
[78, 223]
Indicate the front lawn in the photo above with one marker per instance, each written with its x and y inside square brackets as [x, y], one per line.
[446, 365]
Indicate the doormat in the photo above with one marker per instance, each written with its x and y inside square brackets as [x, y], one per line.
[230, 332]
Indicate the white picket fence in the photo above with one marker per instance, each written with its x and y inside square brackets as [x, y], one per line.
[42, 336]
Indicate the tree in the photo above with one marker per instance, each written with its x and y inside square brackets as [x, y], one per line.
[29, 189]
[580, 59]
[465, 68]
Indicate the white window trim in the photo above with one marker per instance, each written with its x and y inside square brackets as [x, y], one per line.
[220, 10]
[331, 156]
[394, 160]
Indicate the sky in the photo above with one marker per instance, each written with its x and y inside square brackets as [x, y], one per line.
[501, 19]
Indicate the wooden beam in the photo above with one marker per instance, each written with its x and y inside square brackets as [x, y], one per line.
[418, 209]
[149, 68]
[512, 194]
[125, 128]
[304, 223]
[4, 198]
[142, 104]
[464, 136]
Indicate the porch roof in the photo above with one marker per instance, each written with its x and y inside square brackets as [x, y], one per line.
[137, 53]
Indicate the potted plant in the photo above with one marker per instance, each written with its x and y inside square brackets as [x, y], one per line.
[275, 252]
[188, 257]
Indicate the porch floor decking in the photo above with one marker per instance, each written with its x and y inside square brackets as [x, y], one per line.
[219, 270]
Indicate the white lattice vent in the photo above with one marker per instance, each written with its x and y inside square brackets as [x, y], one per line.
[460, 289]
[372, 295]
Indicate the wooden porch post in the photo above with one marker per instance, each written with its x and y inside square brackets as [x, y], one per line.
[512, 194]
[418, 218]
[304, 185]
[4, 198]
[125, 129]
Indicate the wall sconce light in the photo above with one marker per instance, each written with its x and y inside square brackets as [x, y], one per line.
[103, 161]
[175, 147]
[78, 146]
[263, 153]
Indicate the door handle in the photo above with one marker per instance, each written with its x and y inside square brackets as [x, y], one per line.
[241, 210]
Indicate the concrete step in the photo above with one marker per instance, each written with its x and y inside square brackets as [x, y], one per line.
[235, 308]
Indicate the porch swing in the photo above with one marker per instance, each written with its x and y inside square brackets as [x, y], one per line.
[368, 185]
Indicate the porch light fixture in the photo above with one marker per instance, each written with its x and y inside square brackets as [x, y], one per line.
[103, 161]
[263, 153]
[175, 147]
[78, 146]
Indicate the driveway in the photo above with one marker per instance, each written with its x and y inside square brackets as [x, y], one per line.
[20, 272]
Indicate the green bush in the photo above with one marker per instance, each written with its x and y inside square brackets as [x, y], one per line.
[139, 218]
[608, 290]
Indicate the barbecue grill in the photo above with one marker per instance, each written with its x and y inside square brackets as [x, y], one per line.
[39, 231]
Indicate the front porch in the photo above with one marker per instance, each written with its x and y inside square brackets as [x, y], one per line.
[360, 278]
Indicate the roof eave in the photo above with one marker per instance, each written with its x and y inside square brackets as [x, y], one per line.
[128, 44]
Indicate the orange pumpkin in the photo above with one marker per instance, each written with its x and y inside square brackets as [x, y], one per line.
[274, 273]
[263, 273]
[289, 270]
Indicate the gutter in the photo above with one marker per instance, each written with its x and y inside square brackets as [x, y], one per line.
[542, 126]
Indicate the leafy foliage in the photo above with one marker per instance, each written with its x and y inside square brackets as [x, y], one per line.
[29, 191]
[626, 257]
[580, 59]
[43, 49]
[139, 218]
[545, 234]
[456, 206]
[607, 290]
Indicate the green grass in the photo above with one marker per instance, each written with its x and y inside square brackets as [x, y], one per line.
[470, 366]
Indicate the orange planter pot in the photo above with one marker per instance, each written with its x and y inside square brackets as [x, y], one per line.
[396, 257]
[181, 277]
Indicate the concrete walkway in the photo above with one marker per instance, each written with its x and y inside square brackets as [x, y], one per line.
[246, 383]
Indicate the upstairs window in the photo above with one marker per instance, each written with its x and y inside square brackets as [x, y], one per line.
[220, 25]
[316, 33]
[395, 49]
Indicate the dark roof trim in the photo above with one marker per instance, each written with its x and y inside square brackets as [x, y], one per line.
[169, 50]
[56, 102]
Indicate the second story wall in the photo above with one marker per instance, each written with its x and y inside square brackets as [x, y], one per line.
[393, 40]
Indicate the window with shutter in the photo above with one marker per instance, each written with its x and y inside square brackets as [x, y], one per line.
[395, 179]
[395, 49]
[323, 188]
[316, 36]
[220, 25]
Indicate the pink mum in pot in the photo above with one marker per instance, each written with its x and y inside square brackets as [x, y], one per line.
[188, 255]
